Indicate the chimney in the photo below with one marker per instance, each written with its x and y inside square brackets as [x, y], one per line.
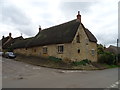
[39, 28]
[79, 17]
[3, 37]
[10, 35]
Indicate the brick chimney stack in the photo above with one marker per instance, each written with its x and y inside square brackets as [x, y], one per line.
[79, 17]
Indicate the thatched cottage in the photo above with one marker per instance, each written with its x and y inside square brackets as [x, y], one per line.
[6, 42]
[69, 41]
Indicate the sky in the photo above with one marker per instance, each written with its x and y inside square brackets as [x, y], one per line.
[23, 17]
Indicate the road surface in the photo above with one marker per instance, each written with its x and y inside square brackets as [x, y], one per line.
[21, 75]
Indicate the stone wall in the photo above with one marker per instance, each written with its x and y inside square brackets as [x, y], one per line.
[70, 49]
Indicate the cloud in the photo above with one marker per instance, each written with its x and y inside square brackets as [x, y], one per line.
[102, 20]
[24, 16]
[70, 9]
[99, 17]
[15, 17]
[73, 6]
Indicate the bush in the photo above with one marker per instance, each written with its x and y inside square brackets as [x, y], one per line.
[107, 58]
[87, 61]
[100, 49]
[83, 62]
[10, 49]
[118, 58]
[54, 58]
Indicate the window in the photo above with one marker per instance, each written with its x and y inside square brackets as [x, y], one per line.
[60, 49]
[34, 50]
[45, 50]
[78, 50]
[86, 40]
[78, 38]
[93, 51]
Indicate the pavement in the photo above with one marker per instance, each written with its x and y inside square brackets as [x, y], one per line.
[22, 75]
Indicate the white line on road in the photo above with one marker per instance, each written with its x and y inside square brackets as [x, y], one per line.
[71, 71]
[36, 68]
[114, 84]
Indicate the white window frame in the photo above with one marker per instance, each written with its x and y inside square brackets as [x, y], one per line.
[93, 51]
[45, 50]
[59, 49]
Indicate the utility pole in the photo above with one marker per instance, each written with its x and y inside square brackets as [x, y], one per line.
[117, 51]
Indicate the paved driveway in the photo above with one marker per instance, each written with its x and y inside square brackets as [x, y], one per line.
[21, 75]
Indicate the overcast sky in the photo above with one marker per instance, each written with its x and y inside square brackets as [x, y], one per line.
[25, 16]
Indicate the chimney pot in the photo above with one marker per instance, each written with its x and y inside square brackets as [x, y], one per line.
[10, 35]
[79, 17]
[39, 28]
[3, 37]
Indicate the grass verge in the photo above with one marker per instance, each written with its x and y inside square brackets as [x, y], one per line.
[59, 64]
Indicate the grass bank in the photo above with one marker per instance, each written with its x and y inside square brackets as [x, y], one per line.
[59, 64]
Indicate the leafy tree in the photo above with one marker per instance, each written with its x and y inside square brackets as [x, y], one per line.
[107, 58]
[100, 49]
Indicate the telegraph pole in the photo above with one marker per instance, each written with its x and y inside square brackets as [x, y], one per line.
[117, 51]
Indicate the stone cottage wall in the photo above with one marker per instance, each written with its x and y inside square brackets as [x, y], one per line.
[70, 49]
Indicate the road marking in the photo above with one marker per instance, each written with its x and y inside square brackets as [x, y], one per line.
[114, 84]
[36, 68]
[71, 71]
[26, 65]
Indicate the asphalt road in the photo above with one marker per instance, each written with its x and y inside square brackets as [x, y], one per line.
[21, 75]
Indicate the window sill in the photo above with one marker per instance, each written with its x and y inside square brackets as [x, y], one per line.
[44, 53]
[60, 52]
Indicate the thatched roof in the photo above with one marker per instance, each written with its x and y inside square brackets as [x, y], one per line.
[90, 36]
[8, 41]
[22, 44]
[4, 39]
[59, 34]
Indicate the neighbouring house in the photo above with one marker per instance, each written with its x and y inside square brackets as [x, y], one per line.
[113, 49]
[69, 41]
[8, 41]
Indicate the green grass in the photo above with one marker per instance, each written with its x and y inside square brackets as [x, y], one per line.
[110, 66]
[53, 62]
[113, 66]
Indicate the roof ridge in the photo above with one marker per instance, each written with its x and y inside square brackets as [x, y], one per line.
[58, 34]
[59, 24]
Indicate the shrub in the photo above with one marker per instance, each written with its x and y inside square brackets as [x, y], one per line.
[54, 58]
[118, 58]
[107, 58]
[83, 62]
[87, 61]
[9, 49]
[100, 49]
